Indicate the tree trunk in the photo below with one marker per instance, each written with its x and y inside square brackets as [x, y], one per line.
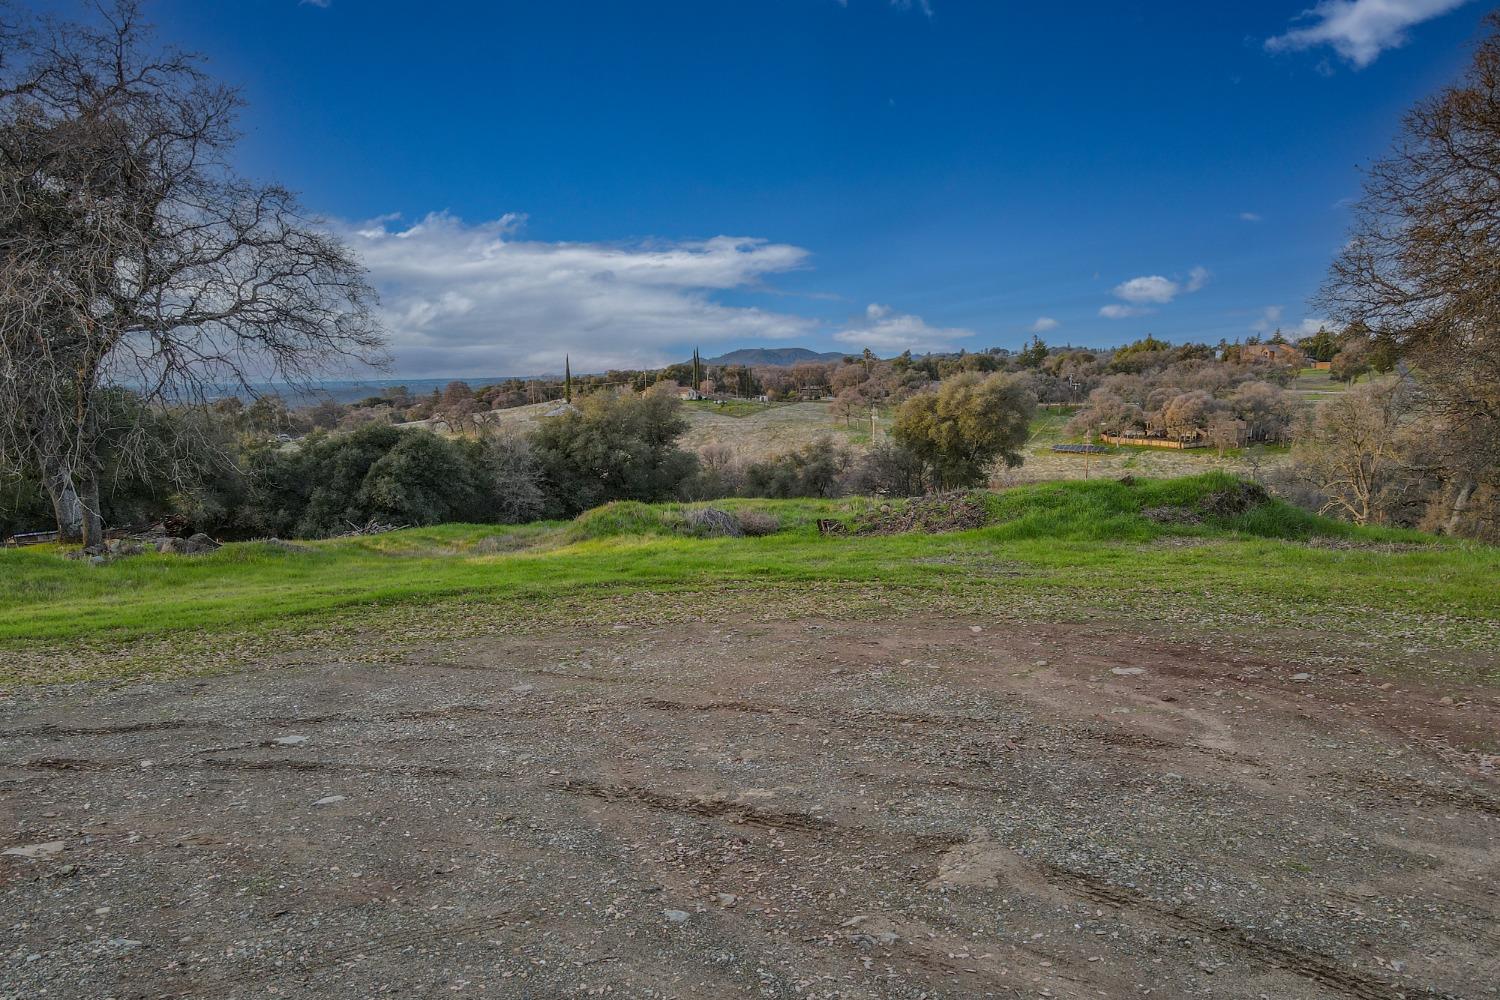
[75, 504]
[1460, 505]
[66, 504]
[93, 515]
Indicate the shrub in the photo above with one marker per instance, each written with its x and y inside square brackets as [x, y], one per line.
[966, 424]
[815, 471]
[755, 523]
[613, 448]
[887, 469]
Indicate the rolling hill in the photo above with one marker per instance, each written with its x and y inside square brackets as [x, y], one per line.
[784, 356]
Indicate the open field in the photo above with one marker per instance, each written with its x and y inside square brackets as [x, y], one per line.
[755, 430]
[1077, 752]
[1049, 428]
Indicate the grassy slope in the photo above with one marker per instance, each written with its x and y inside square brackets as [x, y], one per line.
[1070, 549]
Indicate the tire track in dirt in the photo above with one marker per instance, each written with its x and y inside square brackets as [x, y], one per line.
[702, 808]
[259, 765]
[1290, 958]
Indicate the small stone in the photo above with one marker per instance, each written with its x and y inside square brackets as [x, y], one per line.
[290, 741]
[1127, 671]
[523, 689]
[976, 628]
[34, 851]
[329, 800]
[675, 916]
[726, 898]
[125, 943]
[1387, 686]
[1302, 678]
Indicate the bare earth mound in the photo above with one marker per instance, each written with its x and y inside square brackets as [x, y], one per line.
[939, 809]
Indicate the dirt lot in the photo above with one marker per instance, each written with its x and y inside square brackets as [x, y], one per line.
[813, 809]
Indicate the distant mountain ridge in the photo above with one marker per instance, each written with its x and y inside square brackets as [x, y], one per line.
[773, 356]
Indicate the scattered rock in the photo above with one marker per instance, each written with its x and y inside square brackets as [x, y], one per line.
[1302, 678]
[290, 741]
[726, 898]
[329, 800]
[1127, 671]
[187, 546]
[675, 916]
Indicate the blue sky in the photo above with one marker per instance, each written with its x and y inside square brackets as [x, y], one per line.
[621, 180]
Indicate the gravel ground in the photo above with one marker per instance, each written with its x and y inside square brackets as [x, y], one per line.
[815, 808]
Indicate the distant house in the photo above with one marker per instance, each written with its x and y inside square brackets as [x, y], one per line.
[689, 393]
[1276, 354]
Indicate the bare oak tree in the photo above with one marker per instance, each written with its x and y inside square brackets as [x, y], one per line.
[1351, 452]
[1421, 272]
[132, 257]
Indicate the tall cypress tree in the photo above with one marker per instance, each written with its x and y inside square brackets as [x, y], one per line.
[567, 379]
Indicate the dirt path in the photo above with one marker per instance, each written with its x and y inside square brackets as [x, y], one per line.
[809, 810]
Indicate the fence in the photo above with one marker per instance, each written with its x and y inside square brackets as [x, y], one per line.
[1153, 442]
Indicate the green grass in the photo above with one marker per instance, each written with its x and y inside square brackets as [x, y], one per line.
[1068, 546]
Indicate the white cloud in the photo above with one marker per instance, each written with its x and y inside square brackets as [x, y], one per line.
[1139, 294]
[1116, 311]
[1359, 30]
[886, 331]
[460, 298]
[1043, 324]
[1270, 319]
[1312, 324]
[925, 6]
[1152, 288]
[1249, 217]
